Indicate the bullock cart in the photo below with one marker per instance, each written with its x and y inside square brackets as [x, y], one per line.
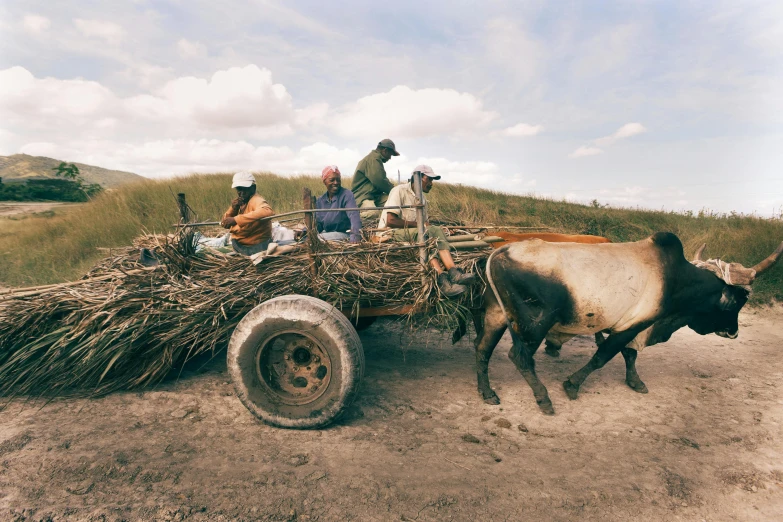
[296, 361]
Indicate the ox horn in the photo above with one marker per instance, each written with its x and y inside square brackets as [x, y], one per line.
[769, 261]
[699, 251]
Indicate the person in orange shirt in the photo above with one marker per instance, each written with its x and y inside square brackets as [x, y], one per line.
[249, 233]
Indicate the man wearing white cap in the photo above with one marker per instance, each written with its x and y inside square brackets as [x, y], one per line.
[452, 281]
[249, 233]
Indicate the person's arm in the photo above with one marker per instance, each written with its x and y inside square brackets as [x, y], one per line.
[228, 220]
[263, 210]
[353, 215]
[395, 221]
[377, 176]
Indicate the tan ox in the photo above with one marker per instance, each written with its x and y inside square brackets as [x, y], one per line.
[509, 237]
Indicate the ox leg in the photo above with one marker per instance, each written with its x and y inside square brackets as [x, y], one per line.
[606, 350]
[631, 377]
[552, 348]
[486, 341]
[522, 354]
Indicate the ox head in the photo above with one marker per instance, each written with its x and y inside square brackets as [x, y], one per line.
[721, 315]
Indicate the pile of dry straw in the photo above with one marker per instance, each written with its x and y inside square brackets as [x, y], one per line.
[127, 327]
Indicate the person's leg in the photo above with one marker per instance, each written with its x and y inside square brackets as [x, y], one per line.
[446, 285]
[366, 214]
[334, 236]
[249, 250]
[456, 275]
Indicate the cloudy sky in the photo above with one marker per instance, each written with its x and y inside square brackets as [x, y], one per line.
[674, 105]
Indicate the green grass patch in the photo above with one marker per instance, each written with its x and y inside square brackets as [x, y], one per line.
[47, 249]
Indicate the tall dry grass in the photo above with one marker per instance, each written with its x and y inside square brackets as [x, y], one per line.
[40, 250]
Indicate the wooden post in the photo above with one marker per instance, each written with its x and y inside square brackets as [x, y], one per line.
[420, 216]
[184, 211]
[312, 229]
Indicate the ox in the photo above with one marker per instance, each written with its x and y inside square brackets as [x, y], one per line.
[552, 346]
[639, 293]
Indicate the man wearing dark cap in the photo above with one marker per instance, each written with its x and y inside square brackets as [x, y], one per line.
[370, 185]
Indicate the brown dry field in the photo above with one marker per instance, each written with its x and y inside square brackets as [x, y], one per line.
[705, 444]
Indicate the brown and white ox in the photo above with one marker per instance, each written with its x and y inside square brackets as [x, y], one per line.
[639, 293]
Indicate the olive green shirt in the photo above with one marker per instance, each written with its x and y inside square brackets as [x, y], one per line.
[369, 180]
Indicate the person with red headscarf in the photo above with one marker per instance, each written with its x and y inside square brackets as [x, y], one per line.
[339, 225]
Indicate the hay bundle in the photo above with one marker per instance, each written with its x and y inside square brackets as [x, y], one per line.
[125, 328]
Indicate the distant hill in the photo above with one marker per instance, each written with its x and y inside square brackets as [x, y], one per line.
[21, 166]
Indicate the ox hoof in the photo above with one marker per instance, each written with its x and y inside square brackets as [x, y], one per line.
[552, 352]
[546, 407]
[491, 397]
[571, 390]
[637, 386]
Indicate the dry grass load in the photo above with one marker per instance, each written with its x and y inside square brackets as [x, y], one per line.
[128, 328]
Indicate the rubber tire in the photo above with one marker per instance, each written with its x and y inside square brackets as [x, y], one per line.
[334, 333]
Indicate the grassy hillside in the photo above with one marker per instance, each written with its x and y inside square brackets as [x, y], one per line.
[44, 249]
[24, 166]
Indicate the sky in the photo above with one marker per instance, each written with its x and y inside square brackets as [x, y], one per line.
[673, 105]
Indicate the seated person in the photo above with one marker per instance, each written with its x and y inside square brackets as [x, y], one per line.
[250, 233]
[370, 186]
[333, 226]
[404, 228]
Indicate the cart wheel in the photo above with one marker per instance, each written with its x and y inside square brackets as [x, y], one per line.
[296, 362]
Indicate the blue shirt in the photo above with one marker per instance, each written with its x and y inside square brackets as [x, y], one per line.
[339, 221]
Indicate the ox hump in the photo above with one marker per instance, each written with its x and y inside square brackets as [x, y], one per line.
[668, 242]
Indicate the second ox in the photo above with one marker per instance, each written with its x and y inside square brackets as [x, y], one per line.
[639, 293]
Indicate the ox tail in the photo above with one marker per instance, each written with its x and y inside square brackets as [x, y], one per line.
[492, 282]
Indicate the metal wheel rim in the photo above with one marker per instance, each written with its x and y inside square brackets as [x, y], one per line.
[293, 367]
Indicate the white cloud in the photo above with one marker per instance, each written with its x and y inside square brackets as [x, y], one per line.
[607, 51]
[36, 24]
[234, 103]
[109, 32]
[522, 130]
[235, 98]
[512, 48]
[407, 113]
[6, 138]
[49, 102]
[161, 158]
[188, 49]
[485, 174]
[583, 151]
[626, 131]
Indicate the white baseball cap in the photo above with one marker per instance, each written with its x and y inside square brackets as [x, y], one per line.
[427, 171]
[243, 179]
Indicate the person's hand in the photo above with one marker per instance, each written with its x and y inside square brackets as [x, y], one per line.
[228, 222]
[236, 203]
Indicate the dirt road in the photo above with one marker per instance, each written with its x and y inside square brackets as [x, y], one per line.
[8, 208]
[705, 444]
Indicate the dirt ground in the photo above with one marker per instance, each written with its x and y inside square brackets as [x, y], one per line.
[705, 444]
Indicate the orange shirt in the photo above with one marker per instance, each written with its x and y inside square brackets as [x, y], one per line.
[249, 231]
